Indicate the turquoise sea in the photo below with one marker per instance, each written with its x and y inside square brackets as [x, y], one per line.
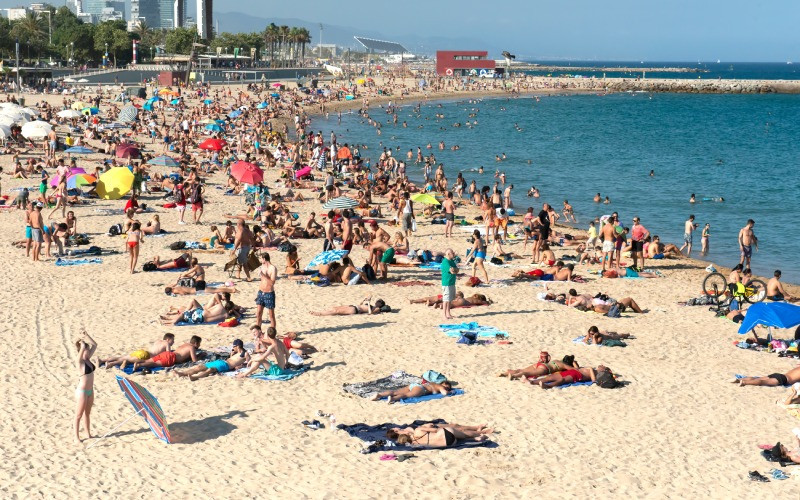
[743, 148]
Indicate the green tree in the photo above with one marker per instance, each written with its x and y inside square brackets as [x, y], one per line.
[7, 43]
[115, 35]
[180, 40]
[31, 30]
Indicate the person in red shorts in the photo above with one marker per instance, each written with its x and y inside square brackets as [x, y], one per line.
[183, 354]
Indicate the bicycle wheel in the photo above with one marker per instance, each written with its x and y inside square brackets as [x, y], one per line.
[755, 291]
[715, 285]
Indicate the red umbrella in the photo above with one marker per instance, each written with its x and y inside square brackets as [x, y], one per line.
[246, 172]
[127, 151]
[213, 144]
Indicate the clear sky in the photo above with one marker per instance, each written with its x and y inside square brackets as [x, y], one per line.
[666, 30]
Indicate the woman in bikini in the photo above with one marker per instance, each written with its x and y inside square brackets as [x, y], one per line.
[545, 366]
[438, 435]
[414, 391]
[366, 307]
[84, 393]
[479, 252]
[153, 226]
[570, 376]
[197, 272]
[135, 237]
[593, 336]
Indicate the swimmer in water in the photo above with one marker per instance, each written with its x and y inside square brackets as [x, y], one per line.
[597, 198]
[607, 201]
[692, 199]
[652, 173]
[480, 169]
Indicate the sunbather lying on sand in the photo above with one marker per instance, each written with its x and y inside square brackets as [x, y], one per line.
[237, 359]
[156, 348]
[459, 301]
[570, 376]
[185, 290]
[786, 454]
[366, 307]
[545, 366]
[438, 435]
[602, 306]
[775, 379]
[217, 309]
[415, 391]
[183, 354]
[182, 262]
[594, 336]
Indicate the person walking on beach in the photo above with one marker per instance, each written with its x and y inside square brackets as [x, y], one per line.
[449, 214]
[449, 272]
[37, 227]
[747, 238]
[242, 243]
[135, 238]
[84, 394]
[704, 239]
[688, 232]
[265, 299]
[607, 234]
[639, 234]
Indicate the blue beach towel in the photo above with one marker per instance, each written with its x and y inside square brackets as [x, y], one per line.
[289, 375]
[457, 330]
[585, 382]
[420, 399]
[77, 262]
[431, 265]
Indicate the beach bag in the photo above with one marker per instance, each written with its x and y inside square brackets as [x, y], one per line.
[179, 197]
[467, 338]
[426, 256]
[115, 230]
[414, 225]
[229, 323]
[149, 266]
[473, 281]
[613, 312]
[433, 376]
[177, 245]
[196, 194]
[295, 361]
[285, 247]
[606, 380]
[496, 261]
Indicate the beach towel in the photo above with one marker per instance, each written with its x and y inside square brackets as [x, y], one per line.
[606, 343]
[287, 375]
[372, 433]
[369, 389]
[77, 262]
[481, 331]
[428, 397]
[431, 265]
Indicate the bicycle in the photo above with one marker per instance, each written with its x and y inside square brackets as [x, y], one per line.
[716, 285]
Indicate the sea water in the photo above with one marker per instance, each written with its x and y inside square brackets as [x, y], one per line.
[743, 148]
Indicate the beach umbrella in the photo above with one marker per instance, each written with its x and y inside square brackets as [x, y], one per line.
[213, 127]
[771, 315]
[128, 114]
[208, 101]
[79, 105]
[262, 105]
[15, 116]
[175, 101]
[36, 129]
[275, 94]
[115, 183]
[90, 111]
[361, 81]
[326, 258]
[340, 202]
[302, 172]
[425, 199]
[213, 144]
[80, 150]
[164, 161]
[83, 80]
[247, 172]
[277, 85]
[145, 405]
[166, 90]
[207, 120]
[31, 111]
[69, 80]
[148, 106]
[155, 98]
[235, 114]
[68, 113]
[5, 131]
[75, 180]
[113, 125]
[127, 151]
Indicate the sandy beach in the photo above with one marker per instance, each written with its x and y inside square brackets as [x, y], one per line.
[676, 429]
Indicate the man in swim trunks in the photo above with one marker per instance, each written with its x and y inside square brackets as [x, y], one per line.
[347, 231]
[639, 234]
[238, 358]
[449, 208]
[608, 235]
[159, 346]
[775, 291]
[37, 231]
[242, 242]
[688, 232]
[747, 239]
[181, 262]
[265, 299]
[184, 353]
[775, 379]
[275, 349]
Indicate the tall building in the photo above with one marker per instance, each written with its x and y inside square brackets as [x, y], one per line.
[158, 14]
[205, 22]
[102, 10]
[179, 14]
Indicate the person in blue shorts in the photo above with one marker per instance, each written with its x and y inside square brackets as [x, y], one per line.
[239, 357]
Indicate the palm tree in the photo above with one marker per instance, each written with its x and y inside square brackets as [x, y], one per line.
[270, 37]
[31, 30]
[305, 38]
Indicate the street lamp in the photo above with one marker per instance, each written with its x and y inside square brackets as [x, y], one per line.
[105, 57]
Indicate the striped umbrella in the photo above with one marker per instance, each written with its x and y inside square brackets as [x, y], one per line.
[147, 406]
[326, 258]
[164, 161]
[340, 202]
[128, 114]
[113, 125]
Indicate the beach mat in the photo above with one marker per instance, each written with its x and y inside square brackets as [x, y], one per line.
[456, 330]
[429, 397]
[370, 388]
[77, 262]
[372, 433]
[289, 375]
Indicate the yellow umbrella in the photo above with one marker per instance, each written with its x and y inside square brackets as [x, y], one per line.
[425, 199]
[361, 81]
[79, 105]
[165, 90]
[115, 183]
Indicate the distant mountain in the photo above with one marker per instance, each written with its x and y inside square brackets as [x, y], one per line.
[343, 35]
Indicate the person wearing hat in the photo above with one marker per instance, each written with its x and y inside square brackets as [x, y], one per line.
[238, 358]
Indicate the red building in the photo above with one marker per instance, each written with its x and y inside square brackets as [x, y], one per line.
[463, 62]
